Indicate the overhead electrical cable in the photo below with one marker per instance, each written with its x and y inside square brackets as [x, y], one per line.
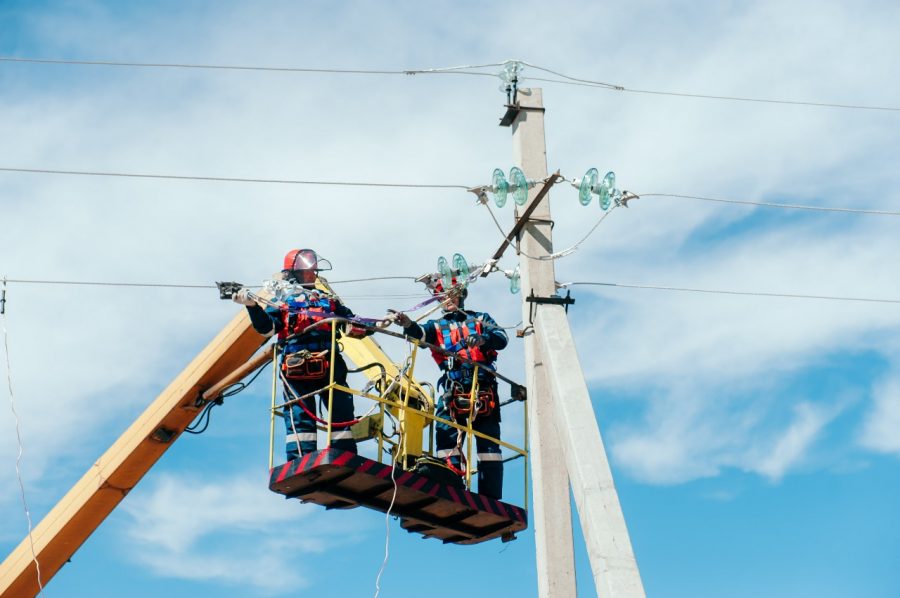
[416, 295]
[569, 80]
[574, 82]
[227, 179]
[349, 280]
[456, 70]
[187, 286]
[728, 292]
[602, 85]
[761, 100]
[231, 67]
[422, 186]
[573, 79]
[173, 65]
[557, 254]
[111, 284]
[575, 247]
[766, 204]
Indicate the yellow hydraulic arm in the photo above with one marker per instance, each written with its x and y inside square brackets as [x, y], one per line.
[86, 505]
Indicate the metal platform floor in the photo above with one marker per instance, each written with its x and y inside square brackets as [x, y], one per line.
[339, 479]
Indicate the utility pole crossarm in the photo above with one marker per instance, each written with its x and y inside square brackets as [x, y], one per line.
[524, 218]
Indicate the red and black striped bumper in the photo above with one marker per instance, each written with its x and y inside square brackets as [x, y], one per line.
[338, 479]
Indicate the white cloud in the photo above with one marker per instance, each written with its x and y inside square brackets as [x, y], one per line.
[707, 365]
[86, 360]
[881, 428]
[789, 449]
[684, 439]
[670, 334]
[233, 531]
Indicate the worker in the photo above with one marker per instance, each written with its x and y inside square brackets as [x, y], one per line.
[306, 355]
[474, 336]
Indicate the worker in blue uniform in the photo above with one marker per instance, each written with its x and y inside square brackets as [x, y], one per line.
[306, 355]
[474, 336]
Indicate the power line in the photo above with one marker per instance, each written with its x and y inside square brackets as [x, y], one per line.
[227, 179]
[611, 87]
[761, 100]
[415, 186]
[457, 70]
[727, 292]
[227, 67]
[573, 79]
[557, 254]
[212, 286]
[410, 185]
[773, 205]
[371, 279]
[111, 284]
[416, 295]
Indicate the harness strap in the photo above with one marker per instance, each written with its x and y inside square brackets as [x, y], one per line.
[460, 471]
[304, 311]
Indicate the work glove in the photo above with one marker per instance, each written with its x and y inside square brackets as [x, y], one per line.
[475, 340]
[243, 297]
[401, 319]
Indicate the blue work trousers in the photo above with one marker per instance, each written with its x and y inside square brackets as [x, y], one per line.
[301, 427]
[490, 460]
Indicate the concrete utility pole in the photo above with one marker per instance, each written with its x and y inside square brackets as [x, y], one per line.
[565, 440]
[552, 515]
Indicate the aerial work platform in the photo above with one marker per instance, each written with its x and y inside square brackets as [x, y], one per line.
[339, 479]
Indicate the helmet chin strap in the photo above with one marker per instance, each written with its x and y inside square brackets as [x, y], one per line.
[292, 275]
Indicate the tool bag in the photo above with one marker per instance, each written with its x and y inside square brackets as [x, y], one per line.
[461, 401]
[305, 365]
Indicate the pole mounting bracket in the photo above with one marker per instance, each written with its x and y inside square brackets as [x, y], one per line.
[551, 300]
[512, 111]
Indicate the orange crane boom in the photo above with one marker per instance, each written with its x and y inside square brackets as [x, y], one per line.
[65, 528]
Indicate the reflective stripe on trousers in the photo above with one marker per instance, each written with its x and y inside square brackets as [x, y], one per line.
[490, 468]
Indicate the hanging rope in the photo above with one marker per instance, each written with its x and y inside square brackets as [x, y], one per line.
[21, 449]
[387, 514]
[387, 525]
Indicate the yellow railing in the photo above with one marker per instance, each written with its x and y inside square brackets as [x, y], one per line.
[397, 401]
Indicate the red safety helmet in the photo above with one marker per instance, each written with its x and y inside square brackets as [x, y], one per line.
[456, 300]
[437, 287]
[298, 262]
[301, 259]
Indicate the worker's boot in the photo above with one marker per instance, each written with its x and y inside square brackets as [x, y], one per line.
[490, 479]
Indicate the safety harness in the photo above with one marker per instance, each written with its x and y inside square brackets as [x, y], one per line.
[461, 407]
[307, 358]
[451, 336]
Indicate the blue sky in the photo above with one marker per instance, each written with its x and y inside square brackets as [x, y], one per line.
[754, 441]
